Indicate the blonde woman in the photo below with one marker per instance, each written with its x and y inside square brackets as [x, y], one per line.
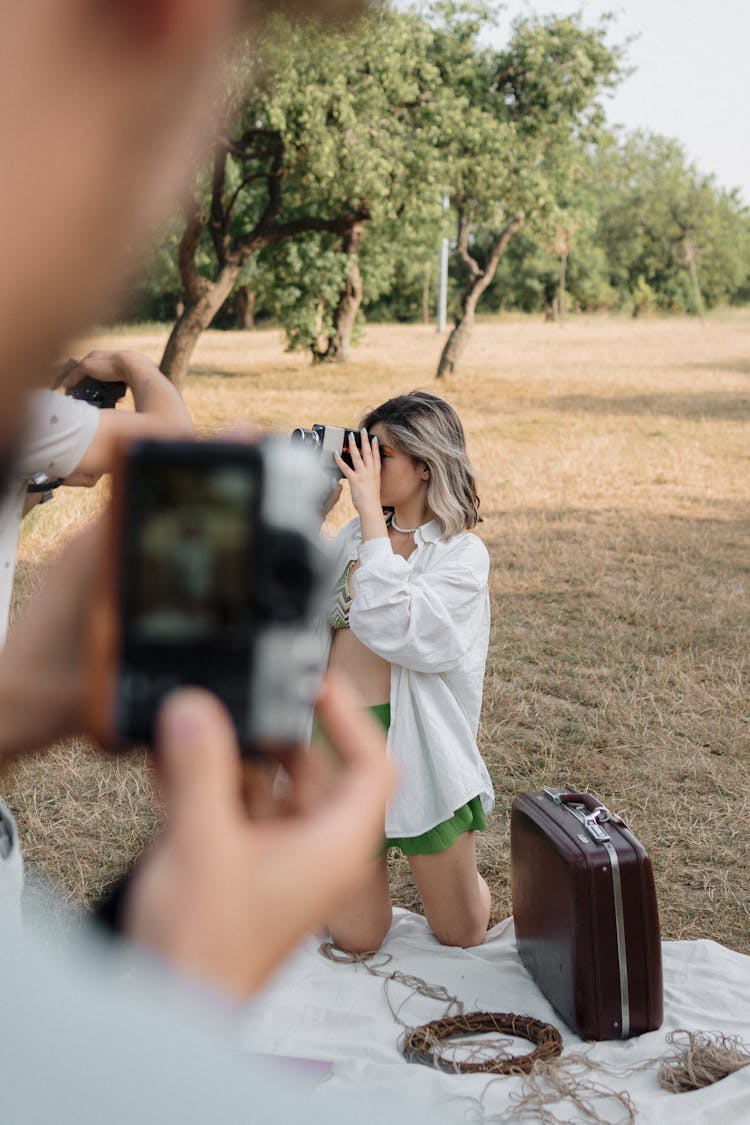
[410, 628]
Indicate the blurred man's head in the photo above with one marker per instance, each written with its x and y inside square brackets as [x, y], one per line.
[102, 103]
[105, 107]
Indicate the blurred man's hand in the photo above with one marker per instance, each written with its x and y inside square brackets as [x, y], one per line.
[226, 897]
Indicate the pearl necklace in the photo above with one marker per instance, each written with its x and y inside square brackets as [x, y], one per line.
[403, 530]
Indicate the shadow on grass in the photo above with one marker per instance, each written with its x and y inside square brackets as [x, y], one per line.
[729, 514]
[216, 373]
[733, 366]
[717, 407]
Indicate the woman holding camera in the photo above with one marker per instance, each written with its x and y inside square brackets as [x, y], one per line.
[410, 628]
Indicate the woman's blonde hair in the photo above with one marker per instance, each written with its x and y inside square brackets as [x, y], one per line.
[427, 428]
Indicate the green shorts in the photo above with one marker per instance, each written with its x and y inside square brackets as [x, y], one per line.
[469, 818]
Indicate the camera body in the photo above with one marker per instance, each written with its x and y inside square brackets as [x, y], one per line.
[216, 578]
[100, 393]
[327, 440]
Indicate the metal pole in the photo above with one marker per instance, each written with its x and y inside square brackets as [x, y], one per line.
[442, 306]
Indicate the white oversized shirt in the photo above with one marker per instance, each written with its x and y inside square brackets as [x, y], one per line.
[429, 616]
[60, 430]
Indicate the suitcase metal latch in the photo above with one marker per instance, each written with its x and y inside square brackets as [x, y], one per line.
[591, 819]
[591, 823]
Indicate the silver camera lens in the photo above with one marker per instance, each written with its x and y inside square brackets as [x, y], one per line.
[306, 437]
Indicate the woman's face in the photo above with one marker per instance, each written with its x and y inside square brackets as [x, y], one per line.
[402, 480]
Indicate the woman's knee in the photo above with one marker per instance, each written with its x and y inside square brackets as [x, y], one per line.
[362, 939]
[466, 925]
[464, 933]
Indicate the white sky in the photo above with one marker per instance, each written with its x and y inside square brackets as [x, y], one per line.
[692, 76]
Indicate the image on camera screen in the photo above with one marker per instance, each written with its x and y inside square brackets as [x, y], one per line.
[189, 580]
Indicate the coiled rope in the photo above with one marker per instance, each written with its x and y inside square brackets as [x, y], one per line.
[429, 1042]
[698, 1058]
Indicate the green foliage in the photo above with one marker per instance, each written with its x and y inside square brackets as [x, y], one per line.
[357, 107]
[301, 280]
[644, 300]
[381, 118]
[515, 121]
[635, 203]
[655, 213]
[528, 277]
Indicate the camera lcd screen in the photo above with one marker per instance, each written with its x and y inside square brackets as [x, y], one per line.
[210, 589]
[188, 578]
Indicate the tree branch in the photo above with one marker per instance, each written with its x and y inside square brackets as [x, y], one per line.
[502, 240]
[462, 246]
[261, 237]
[238, 146]
[219, 226]
[195, 224]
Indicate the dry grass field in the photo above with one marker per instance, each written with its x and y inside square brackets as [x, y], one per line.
[614, 462]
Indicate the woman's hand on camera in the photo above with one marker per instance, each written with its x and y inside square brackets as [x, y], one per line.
[364, 481]
[225, 897]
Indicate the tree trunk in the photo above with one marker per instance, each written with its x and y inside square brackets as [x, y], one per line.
[561, 287]
[459, 337]
[339, 345]
[693, 271]
[245, 308]
[195, 319]
[550, 301]
[426, 317]
[477, 281]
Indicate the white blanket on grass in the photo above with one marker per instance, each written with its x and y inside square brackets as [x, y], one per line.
[339, 1014]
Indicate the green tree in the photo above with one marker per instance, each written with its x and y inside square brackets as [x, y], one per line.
[313, 277]
[668, 229]
[386, 74]
[324, 140]
[514, 136]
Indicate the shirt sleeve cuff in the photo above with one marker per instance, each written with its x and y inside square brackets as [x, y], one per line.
[374, 549]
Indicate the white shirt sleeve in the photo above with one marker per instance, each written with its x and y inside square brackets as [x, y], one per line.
[428, 621]
[60, 431]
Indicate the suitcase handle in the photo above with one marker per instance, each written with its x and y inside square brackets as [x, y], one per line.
[572, 797]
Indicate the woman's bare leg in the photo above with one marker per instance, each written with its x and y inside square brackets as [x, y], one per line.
[456, 900]
[363, 920]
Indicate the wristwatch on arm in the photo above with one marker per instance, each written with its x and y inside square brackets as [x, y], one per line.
[41, 483]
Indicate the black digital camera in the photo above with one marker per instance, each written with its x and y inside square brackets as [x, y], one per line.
[100, 393]
[217, 579]
[327, 440]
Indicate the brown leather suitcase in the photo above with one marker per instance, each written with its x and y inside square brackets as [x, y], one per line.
[585, 913]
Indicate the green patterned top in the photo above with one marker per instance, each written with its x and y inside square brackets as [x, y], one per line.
[338, 614]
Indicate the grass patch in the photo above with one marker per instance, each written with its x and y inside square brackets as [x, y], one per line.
[614, 461]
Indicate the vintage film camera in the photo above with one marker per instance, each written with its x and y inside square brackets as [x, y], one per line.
[215, 578]
[327, 440]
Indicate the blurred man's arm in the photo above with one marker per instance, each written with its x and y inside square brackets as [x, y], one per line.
[224, 894]
[159, 409]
